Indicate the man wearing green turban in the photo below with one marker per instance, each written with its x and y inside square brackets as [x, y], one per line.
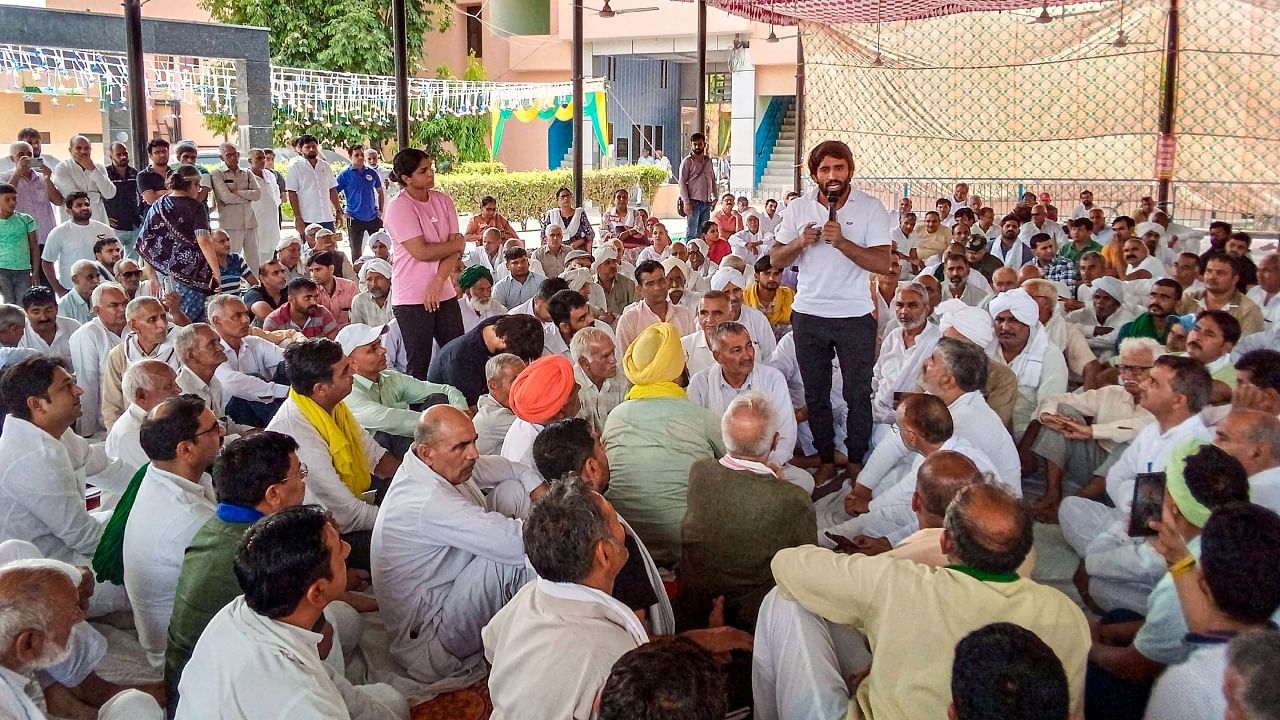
[477, 296]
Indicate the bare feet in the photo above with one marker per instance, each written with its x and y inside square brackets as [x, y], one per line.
[824, 481]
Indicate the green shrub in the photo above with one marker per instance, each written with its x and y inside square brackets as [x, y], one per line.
[478, 168]
[527, 195]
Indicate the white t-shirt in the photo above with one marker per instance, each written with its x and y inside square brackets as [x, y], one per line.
[69, 242]
[312, 185]
[830, 284]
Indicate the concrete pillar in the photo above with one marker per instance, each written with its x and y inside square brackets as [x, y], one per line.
[253, 104]
[742, 151]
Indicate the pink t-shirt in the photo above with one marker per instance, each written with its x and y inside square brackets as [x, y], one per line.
[433, 221]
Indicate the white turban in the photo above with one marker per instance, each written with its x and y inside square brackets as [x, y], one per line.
[604, 252]
[1111, 286]
[972, 322]
[700, 244]
[577, 277]
[1018, 302]
[727, 276]
[675, 262]
[378, 265]
[1146, 227]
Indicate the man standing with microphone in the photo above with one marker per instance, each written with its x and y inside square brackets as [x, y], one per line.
[835, 235]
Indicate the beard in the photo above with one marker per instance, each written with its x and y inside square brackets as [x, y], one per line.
[50, 655]
[481, 306]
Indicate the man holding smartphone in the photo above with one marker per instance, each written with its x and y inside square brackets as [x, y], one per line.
[1119, 571]
[836, 235]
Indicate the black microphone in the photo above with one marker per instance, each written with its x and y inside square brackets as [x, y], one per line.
[833, 197]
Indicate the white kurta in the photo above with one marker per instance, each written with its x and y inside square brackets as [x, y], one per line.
[247, 372]
[89, 346]
[249, 667]
[709, 389]
[898, 368]
[443, 563]
[122, 441]
[69, 177]
[324, 486]
[166, 514]
[266, 211]
[518, 444]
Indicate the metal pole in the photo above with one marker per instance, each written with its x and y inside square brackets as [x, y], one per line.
[400, 34]
[1168, 102]
[701, 114]
[578, 138]
[798, 176]
[137, 80]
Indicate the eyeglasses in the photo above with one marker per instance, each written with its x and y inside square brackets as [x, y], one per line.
[131, 274]
[1134, 368]
[301, 474]
[220, 424]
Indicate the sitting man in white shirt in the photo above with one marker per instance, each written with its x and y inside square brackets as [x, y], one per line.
[1119, 571]
[601, 387]
[1103, 315]
[373, 305]
[732, 282]
[1079, 435]
[1024, 346]
[42, 604]
[493, 416]
[251, 375]
[544, 392]
[444, 562]
[75, 303]
[200, 350]
[713, 308]
[902, 353]
[736, 372]
[749, 244]
[342, 457]
[146, 384]
[803, 657]
[42, 480]
[147, 337]
[1081, 362]
[181, 438]
[569, 314]
[258, 657]
[47, 331]
[90, 344]
[1253, 438]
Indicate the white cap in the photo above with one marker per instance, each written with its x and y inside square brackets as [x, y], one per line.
[357, 334]
[377, 265]
[317, 227]
[577, 277]
[727, 276]
[286, 241]
[379, 237]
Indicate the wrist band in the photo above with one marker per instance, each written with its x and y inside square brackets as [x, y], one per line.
[1182, 566]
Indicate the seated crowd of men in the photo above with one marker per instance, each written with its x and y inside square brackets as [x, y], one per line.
[613, 495]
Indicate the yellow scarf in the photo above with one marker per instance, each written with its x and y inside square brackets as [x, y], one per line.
[341, 434]
[657, 390]
[782, 299]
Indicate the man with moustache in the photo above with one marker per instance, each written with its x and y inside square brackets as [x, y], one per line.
[303, 312]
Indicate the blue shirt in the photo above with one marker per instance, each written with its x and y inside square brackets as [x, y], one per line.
[359, 187]
[233, 275]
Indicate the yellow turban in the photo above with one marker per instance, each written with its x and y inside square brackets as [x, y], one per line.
[655, 360]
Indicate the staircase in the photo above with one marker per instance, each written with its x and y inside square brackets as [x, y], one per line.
[779, 170]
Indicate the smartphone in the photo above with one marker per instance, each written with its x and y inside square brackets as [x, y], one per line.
[1148, 500]
[35, 162]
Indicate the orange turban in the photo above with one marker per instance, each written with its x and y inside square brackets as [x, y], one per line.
[542, 389]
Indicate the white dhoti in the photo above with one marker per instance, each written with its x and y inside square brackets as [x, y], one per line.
[801, 662]
[478, 593]
[1122, 570]
[131, 705]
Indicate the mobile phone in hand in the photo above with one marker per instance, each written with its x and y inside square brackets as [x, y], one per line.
[1148, 501]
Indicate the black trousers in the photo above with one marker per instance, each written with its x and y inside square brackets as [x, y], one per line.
[357, 229]
[419, 328]
[853, 341]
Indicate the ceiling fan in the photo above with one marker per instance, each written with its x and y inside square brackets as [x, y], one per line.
[1121, 39]
[773, 36]
[1044, 17]
[607, 12]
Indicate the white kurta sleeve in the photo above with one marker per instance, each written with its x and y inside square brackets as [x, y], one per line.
[325, 487]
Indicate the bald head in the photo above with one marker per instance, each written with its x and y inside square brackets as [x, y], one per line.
[437, 421]
[1028, 272]
[987, 529]
[941, 476]
[1252, 437]
[1004, 279]
[445, 440]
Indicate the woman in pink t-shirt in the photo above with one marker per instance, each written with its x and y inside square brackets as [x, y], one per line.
[423, 226]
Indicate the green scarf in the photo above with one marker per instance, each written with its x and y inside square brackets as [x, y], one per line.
[984, 575]
[108, 559]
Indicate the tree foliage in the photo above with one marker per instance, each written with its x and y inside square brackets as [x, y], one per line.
[339, 35]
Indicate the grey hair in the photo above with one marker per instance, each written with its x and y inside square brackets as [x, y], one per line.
[734, 262]
[74, 138]
[11, 316]
[135, 306]
[186, 339]
[214, 306]
[255, 152]
[1093, 255]
[578, 345]
[754, 406]
[974, 543]
[24, 594]
[14, 147]
[728, 327]
[116, 269]
[496, 365]
[80, 265]
[965, 362]
[1254, 655]
[141, 376]
[1141, 344]
[96, 296]
[915, 287]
